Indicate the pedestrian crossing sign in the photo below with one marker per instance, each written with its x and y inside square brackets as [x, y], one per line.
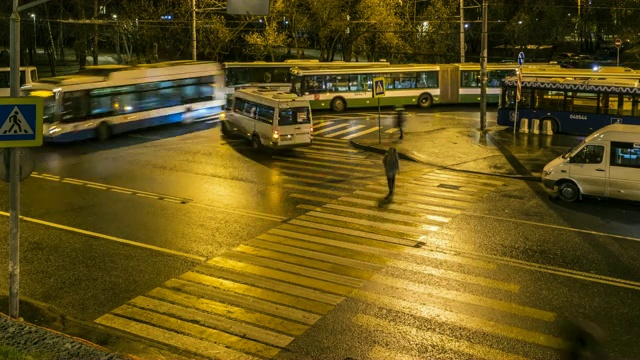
[378, 87]
[21, 121]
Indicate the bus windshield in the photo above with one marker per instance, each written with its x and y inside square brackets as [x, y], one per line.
[294, 116]
[49, 103]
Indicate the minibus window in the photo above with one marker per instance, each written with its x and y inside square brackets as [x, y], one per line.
[590, 154]
[294, 116]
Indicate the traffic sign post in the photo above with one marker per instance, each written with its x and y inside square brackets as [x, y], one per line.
[377, 92]
[618, 43]
[518, 90]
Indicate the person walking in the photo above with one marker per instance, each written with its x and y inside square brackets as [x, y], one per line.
[391, 168]
[400, 120]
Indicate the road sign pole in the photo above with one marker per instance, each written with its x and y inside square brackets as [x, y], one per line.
[14, 168]
[618, 57]
[379, 127]
[515, 116]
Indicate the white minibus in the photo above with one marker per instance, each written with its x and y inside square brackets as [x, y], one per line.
[269, 118]
[605, 164]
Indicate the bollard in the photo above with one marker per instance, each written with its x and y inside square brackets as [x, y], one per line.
[547, 127]
[535, 126]
[524, 125]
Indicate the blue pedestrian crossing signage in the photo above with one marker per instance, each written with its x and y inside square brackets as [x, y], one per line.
[378, 87]
[21, 121]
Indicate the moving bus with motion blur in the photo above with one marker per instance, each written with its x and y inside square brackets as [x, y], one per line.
[276, 75]
[28, 75]
[103, 103]
[423, 85]
[571, 106]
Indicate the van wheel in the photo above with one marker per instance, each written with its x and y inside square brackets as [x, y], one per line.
[255, 142]
[103, 131]
[338, 104]
[224, 128]
[425, 101]
[568, 192]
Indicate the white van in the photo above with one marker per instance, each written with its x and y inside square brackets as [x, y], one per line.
[269, 118]
[28, 75]
[606, 164]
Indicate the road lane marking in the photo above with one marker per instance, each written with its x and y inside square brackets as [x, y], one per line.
[360, 133]
[118, 189]
[314, 170]
[242, 212]
[424, 309]
[418, 200]
[326, 164]
[183, 342]
[352, 128]
[109, 237]
[332, 148]
[229, 311]
[400, 207]
[329, 128]
[197, 331]
[359, 233]
[321, 124]
[333, 158]
[391, 131]
[384, 214]
[467, 298]
[312, 151]
[476, 351]
[323, 176]
[212, 321]
[418, 230]
[333, 142]
[471, 279]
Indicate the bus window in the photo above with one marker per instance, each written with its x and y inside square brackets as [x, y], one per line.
[358, 82]
[404, 80]
[74, 106]
[526, 97]
[427, 80]
[281, 75]
[470, 78]
[509, 98]
[316, 84]
[496, 77]
[338, 83]
[551, 100]
[33, 74]
[100, 106]
[625, 106]
[5, 79]
[582, 102]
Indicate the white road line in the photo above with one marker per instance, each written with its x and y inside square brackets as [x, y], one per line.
[356, 127]
[330, 128]
[242, 212]
[391, 131]
[363, 132]
[321, 124]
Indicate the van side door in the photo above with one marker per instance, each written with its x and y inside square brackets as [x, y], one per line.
[589, 169]
[624, 171]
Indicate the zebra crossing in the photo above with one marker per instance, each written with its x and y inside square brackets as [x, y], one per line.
[254, 300]
[348, 130]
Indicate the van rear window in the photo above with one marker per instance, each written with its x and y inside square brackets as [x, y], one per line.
[294, 116]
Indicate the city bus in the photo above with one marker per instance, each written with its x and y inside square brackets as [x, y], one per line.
[28, 75]
[583, 74]
[572, 106]
[276, 75]
[343, 87]
[80, 107]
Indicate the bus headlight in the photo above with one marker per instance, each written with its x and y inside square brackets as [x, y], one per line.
[54, 130]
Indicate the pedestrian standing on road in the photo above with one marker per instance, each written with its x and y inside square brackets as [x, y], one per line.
[391, 168]
[400, 120]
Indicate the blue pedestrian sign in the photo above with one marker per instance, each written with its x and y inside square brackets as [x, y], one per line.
[21, 122]
[521, 58]
[378, 87]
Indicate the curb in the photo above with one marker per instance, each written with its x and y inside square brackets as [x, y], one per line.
[404, 156]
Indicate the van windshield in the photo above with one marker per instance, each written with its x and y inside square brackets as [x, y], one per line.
[572, 150]
[294, 116]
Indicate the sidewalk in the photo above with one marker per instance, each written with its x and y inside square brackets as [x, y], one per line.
[496, 152]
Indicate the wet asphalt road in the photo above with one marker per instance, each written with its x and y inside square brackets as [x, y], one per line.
[500, 268]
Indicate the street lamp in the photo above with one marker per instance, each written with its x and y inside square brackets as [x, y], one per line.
[35, 48]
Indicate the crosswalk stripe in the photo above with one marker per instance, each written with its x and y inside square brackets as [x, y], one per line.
[400, 207]
[453, 181]
[183, 342]
[425, 310]
[213, 321]
[463, 186]
[441, 191]
[478, 280]
[309, 197]
[323, 176]
[230, 311]
[332, 148]
[472, 178]
[313, 189]
[334, 141]
[317, 169]
[334, 127]
[460, 205]
[266, 307]
[331, 287]
[351, 225]
[403, 228]
[392, 130]
[388, 215]
[341, 259]
[477, 351]
[382, 218]
[355, 127]
[255, 292]
[321, 182]
[364, 234]
[345, 275]
[340, 159]
[429, 192]
[321, 124]
[466, 298]
[271, 284]
[312, 150]
[362, 247]
[360, 133]
[198, 331]
[327, 164]
[442, 255]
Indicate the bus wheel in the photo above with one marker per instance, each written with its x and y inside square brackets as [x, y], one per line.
[338, 104]
[103, 131]
[425, 101]
[255, 142]
[568, 191]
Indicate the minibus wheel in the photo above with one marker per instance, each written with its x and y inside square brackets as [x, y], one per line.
[103, 131]
[425, 101]
[568, 191]
[255, 142]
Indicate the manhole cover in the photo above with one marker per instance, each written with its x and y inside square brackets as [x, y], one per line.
[448, 186]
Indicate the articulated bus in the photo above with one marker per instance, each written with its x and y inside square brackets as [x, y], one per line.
[28, 75]
[412, 84]
[583, 74]
[105, 101]
[276, 75]
[572, 106]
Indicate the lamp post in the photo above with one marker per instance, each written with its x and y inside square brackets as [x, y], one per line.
[35, 48]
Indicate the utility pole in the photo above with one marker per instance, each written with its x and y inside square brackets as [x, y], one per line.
[461, 31]
[193, 30]
[483, 72]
